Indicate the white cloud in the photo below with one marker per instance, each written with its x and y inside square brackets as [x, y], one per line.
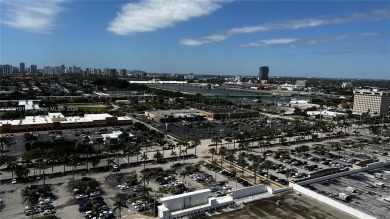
[365, 49]
[293, 42]
[30, 15]
[271, 42]
[150, 15]
[203, 40]
[370, 34]
[291, 25]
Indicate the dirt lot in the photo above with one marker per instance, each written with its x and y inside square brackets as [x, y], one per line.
[290, 206]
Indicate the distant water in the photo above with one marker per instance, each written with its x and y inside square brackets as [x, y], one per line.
[245, 97]
[207, 92]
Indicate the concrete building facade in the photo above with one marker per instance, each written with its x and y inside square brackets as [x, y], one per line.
[22, 67]
[372, 101]
[5, 70]
[57, 121]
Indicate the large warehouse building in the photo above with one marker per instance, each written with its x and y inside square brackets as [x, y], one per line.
[55, 121]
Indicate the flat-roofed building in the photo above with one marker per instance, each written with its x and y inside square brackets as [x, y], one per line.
[164, 116]
[54, 121]
[227, 113]
[191, 203]
[372, 101]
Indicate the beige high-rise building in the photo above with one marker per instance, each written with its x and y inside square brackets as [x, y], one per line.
[372, 101]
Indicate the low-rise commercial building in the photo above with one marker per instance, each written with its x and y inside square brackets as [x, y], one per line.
[170, 116]
[227, 113]
[54, 121]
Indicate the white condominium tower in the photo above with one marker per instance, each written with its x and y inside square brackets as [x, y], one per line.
[372, 101]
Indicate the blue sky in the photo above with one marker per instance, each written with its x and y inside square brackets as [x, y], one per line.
[347, 39]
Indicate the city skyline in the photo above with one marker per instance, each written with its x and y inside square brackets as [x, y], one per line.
[303, 39]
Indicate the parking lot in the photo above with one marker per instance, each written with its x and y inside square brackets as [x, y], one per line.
[207, 129]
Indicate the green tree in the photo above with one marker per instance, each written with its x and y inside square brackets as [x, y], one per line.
[256, 165]
[31, 197]
[97, 210]
[215, 141]
[195, 143]
[266, 165]
[173, 154]
[118, 206]
[144, 158]
[11, 163]
[212, 152]
[158, 156]
[110, 161]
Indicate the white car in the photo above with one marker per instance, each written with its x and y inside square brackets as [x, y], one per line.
[87, 213]
[47, 212]
[45, 201]
[139, 202]
[13, 181]
[81, 196]
[96, 193]
[123, 187]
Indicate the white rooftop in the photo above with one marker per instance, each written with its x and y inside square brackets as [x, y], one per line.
[185, 195]
[48, 119]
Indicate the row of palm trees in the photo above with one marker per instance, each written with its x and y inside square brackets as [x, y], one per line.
[71, 153]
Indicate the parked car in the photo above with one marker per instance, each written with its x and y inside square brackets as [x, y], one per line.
[48, 212]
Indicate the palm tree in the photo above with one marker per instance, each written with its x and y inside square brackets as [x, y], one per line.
[96, 158]
[161, 190]
[137, 150]
[216, 140]
[97, 210]
[170, 172]
[287, 175]
[183, 174]
[145, 193]
[31, 197]
[110, 161]
[145, 158]
[212, 152]
[144, 179]
[11, 163]
[128, 149]
[234, 174]
[266, 165]
[88, 150]
[73, 164]
[65, 160]
[222, 153]
[256, 164]
[215, 165]
[173, 154]
[184, 151]
[229, 141]
[21, 171]
[43, 166]
[195, 143]
[241, 161]
[118, 205]
[230, 157]
[158, 156]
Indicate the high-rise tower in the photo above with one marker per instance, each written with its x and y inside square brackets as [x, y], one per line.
[22, 67]
[263, 75]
